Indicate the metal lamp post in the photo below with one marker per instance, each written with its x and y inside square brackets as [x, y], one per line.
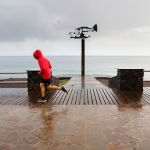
[80, 33]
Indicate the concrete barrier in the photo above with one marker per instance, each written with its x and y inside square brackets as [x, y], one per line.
[128, 80]
[33, 81]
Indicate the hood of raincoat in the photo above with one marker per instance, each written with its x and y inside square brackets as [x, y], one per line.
[38, 54]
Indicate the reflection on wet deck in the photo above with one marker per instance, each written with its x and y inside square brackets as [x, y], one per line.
[121, 127]
[76, 96]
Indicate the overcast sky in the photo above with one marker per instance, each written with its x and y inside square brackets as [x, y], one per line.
[26, 25]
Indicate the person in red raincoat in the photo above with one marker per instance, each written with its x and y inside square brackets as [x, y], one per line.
[46, 74]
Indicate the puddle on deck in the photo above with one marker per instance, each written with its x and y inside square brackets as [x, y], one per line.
[123, 127]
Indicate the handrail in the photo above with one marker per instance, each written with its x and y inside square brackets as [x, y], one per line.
[13, 73]
[146, 70]
[26, 73]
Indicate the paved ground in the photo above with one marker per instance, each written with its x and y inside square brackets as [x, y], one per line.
[80, 127]
[84, 82]
[75, 127]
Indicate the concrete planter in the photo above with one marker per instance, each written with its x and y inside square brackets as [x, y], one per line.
[128, 80]
[33, 81]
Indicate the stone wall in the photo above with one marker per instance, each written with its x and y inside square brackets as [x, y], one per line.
[33, 81]
[128, 80]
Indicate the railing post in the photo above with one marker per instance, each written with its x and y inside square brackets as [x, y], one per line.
[83, 57]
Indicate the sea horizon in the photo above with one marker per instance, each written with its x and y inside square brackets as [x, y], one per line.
[71, 65]
[78, 55]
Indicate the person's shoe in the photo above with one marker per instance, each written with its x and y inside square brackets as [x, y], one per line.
[42, 100]
[64, 90]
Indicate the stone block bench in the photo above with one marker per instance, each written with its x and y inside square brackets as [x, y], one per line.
[33, 82]
[128, 80]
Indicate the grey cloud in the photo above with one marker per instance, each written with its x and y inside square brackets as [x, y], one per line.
[52, 20]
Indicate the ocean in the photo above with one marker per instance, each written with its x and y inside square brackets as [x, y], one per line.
[71, 65]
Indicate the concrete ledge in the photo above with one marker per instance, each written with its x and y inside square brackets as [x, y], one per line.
[128, 80]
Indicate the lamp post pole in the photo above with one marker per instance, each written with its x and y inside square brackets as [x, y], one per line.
[82, 57]
[81, 34]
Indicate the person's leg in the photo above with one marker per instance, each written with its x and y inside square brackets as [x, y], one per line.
[42, 87]
[54, 87]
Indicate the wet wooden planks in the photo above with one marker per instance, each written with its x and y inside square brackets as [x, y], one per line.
[76, 96]
[13, 96]
[101, 96]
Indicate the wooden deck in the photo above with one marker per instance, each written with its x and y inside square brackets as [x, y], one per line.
[81, 91]
[76, 96]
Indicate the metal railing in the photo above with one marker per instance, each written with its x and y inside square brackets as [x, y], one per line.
[13, 73]
[146, 70]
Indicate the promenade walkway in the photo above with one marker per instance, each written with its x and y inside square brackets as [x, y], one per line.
[81, 91]
[82, 120]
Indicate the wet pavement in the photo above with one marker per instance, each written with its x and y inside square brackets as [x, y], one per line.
[42, 127]
[75, 127]
[87, 81]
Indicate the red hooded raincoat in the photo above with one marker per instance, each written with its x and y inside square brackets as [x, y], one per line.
[44, 64]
